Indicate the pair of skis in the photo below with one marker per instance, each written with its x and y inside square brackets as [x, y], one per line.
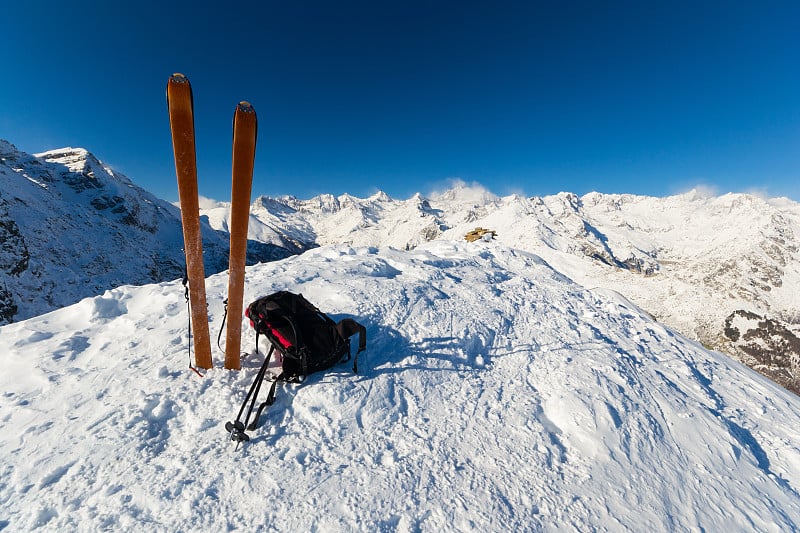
[245, 125]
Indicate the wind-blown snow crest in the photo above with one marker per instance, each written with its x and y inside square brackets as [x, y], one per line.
[495, 395]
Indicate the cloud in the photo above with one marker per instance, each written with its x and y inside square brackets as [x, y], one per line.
[706, 191]
[759, 192]
[510, 190]
[457, 187]
[205, 203]
[700, 190]
[209, 203]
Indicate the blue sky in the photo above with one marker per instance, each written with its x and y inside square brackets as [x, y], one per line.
[355, 96]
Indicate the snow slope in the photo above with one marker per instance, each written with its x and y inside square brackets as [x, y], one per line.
[495, 395]
[690, 260]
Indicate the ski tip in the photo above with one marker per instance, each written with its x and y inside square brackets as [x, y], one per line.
[245, 107]
[178, 78]
[178, 87]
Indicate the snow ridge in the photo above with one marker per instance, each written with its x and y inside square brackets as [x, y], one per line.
[495, 395]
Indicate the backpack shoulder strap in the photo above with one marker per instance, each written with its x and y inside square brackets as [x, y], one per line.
[347, 327]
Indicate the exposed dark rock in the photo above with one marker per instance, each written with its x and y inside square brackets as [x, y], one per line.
[8, 307]
[767, 345]
[14, 255]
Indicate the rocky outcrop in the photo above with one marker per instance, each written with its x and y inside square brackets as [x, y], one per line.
[767, 345]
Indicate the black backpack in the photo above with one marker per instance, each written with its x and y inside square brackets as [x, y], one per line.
[305, 338]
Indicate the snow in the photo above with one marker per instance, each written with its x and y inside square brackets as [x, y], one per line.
[495, 395]
[57, 202]
[689, 260]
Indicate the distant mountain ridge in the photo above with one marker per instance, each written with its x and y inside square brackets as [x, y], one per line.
[71, 227]
[691, 260]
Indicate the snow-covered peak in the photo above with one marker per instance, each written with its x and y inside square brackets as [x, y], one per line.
[462, 193]
[611, 201]
[64, 201]
[65, 153]
[269, 203]
[325, 203]
[380, 196]
[7, 149]
[75, 159]
[494, 395]
[690, 259]
[348, 200]
[82, 161]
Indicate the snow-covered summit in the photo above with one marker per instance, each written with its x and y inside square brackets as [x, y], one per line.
[495, 395]
[380, 196]
[7, 149]
[461, 193]
[81, 161]
[71, 227]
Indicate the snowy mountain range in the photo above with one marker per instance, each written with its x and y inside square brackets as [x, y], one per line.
[71, 227]
[720, 269]
[537, 380]
[695, 262]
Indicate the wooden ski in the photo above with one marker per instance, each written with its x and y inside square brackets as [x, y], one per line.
[181, 119]
[245, 125]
